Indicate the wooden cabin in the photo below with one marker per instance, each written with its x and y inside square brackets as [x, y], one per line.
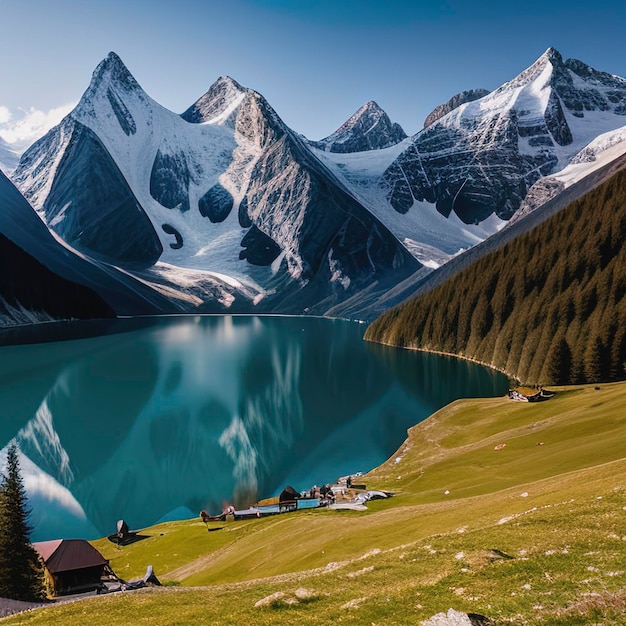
[71, 566]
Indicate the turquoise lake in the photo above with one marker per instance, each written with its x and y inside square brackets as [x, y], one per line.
[157, 419]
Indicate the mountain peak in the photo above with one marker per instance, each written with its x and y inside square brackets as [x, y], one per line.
[113, 59]
[112, 69]
[552, 55]
[217, 104]
[114, 88]
[227, 82]
[371, 107]
[368, 129]
[370, 110]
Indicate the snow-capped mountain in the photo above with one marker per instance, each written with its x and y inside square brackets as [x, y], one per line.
[368, 129]
[456, 101]
[9, 158]
[224, 208]
[459, 180]
[481, 158]
[223, 203]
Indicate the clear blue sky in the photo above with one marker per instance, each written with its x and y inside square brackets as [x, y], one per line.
[316, 61]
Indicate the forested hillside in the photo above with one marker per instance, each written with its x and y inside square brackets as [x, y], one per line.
[548, 307]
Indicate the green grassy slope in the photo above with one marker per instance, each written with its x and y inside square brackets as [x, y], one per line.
[524, 532]
[548, 307]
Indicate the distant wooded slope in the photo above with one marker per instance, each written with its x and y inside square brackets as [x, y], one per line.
[548, 307]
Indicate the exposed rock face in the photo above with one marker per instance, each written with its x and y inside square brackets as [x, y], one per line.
[216, 203]
[105, 219]
[605, 152]
[456, 101]
[169, 180]
[29, 290]
[542, 191]
[582, 88]
[322, 231]
[368, 129]
[482, 157]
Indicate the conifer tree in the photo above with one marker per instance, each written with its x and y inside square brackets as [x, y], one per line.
[557, 368]
[593, 360]
[21, 576]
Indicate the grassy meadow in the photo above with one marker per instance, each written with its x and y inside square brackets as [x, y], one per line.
[516, 511]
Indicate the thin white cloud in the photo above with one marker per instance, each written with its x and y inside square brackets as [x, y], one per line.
[21, 128]
[5, 115]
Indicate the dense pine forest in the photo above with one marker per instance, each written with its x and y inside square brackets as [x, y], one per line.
[549, 307]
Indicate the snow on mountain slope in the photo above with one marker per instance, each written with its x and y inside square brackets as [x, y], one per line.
[579, 178]
[456, 101]
[430, 237]
[224, 206]
[167, 163]
[218, 105]
[9, 158]
[462, 177]
[482, 157]
[603, 150]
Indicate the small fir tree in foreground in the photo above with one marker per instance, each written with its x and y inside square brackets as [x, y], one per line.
[21, 575]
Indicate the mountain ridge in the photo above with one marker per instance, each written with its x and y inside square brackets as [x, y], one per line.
[233, 193]
[480, 158]
[226, 208]
[454, 102]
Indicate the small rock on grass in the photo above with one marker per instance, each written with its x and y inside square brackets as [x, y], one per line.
[457, 618]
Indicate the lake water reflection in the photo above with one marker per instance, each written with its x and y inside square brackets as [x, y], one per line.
[183, 414]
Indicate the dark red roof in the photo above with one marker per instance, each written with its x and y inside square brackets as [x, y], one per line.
[62, 555]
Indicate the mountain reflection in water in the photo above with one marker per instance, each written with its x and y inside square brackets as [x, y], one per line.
[188, 413]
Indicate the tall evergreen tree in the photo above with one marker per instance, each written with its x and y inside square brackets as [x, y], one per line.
[21, 575]
[558, 365]
[593, 362]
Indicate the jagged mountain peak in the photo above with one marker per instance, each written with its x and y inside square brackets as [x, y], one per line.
[368, 129]
[227, 103]
[218, 104]
[370, 108]
[113, 87]
[113, 71]
[552, 55]
[229, 82]
[370, 112]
